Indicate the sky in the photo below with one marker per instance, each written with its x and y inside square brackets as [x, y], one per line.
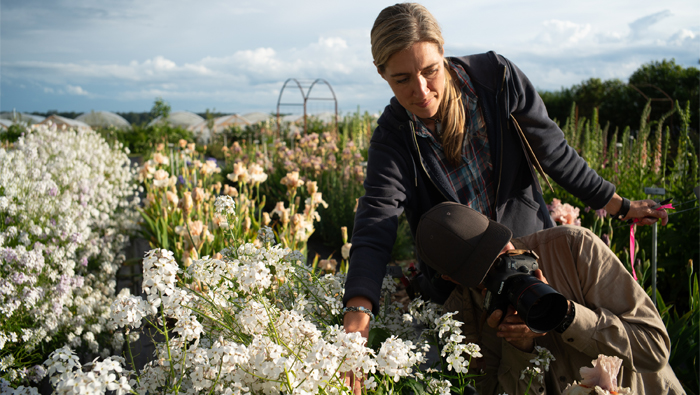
[234, 56]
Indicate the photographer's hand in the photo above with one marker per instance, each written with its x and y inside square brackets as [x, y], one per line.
[512, 328]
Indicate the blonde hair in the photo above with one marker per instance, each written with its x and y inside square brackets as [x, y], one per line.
[397, 28]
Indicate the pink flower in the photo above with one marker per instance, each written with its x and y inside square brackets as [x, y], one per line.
[565, 214]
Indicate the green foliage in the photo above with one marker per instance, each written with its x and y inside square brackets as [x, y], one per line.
[160, 108]
[342, 195]
[65, 114]
[12, 133]
[650, 159]
[136, 118]
[684, 331]
[681, 84]
[210, 117]
[620, 104]
[142, 139]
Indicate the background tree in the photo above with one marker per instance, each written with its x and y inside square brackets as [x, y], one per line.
[682, 84]
[160, 108]
[620, 104]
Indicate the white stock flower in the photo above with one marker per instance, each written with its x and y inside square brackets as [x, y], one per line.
[225, 205]
[159, 275]
[353, 350]
[440, 387]
[266, 235]
[396, 358]
[532, 372]
[72, 200]
[544, 358]
[128, 310]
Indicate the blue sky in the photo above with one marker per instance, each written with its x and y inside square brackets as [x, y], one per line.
[234, 56]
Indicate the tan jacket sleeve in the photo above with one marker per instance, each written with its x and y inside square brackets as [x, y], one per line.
[614, 315]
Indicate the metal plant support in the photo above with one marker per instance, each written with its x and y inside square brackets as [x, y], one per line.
[305, 87]
[654, 241]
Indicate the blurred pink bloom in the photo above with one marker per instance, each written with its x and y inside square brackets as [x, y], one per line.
[565, 214]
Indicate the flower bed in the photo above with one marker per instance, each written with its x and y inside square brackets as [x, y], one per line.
[67, 206]
[258, 320]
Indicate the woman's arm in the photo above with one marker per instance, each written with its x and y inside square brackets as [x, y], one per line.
[376, 221]
[561, 162]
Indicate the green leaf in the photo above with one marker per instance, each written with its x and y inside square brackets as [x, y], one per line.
[416, 386]
[148, 219]
[376, 337]
[164, 243]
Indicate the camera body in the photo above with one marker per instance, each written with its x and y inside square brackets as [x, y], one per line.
[511, 281]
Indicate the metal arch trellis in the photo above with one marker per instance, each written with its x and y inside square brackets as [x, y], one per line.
[646, 97]
[301, 84]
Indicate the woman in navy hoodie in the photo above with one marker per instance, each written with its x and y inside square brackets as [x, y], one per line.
[466, 129]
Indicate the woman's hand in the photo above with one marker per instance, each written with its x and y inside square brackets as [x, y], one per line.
[644, 210]
[356, 321]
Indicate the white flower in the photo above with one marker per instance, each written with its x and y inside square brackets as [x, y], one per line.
[266, 235]
[345, 250]
[396, 358]
[544, 358]
[70, 196]
[128, 310]
[225, 205]
[531, 372]
[257, 175]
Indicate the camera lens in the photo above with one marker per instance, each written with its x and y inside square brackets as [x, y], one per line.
[540, 306]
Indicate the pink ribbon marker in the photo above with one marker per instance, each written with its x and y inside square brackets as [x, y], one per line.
[632, 227]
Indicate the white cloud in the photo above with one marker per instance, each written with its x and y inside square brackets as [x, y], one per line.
[684, 37]
[564, 32]
[333, 42]
[259, 60]
[159, 63]
[76, 90]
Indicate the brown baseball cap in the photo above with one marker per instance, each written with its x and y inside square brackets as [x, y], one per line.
[460, 242]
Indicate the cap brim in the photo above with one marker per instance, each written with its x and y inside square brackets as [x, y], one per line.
[460, 242]
[472, 272]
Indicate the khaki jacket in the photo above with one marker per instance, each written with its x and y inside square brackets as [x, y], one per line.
[614, 316]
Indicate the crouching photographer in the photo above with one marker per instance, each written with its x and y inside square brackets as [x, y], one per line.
[560, 288]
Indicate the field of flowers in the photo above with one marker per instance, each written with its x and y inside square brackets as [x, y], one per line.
[67, 208]
[232, 295]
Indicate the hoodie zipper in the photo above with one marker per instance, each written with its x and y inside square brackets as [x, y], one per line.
[420, 159]
[500, 159]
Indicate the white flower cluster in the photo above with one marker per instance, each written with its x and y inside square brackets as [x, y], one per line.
[456, 353]
[225, 205]
[266, 235]
[396, 358]
[440, 387]
[285, 350]
[68, 377]
[67, 206]
[544, 358]
[541, 361]
[257, 320]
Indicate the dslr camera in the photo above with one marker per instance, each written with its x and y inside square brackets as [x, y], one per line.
[511, 281]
